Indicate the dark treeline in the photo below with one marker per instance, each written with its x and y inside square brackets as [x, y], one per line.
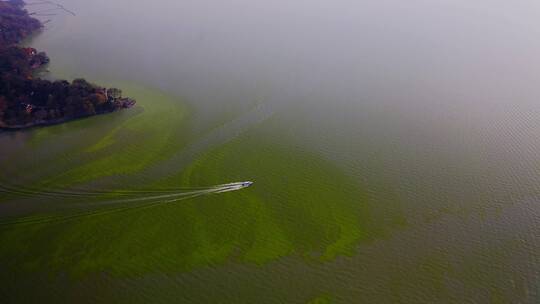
[15, 23]
[27, 101]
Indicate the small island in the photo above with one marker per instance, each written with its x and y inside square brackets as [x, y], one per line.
[28, 101]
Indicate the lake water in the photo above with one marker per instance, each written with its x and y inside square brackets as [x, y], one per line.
[393, 147]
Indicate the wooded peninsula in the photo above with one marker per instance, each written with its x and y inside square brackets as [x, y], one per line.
[28, 101]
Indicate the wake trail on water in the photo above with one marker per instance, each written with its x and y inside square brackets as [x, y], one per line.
[133, 204]
[25, 191]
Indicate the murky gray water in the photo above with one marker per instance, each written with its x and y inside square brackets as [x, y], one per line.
[428, 110]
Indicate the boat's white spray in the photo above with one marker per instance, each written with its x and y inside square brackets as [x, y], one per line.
[128, 204]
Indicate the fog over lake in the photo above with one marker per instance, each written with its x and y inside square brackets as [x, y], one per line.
[393, 145]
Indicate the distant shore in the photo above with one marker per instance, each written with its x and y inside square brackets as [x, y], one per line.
[27, 101]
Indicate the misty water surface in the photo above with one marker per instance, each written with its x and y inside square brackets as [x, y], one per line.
[393, 144]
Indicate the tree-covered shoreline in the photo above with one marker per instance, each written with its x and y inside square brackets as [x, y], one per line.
[28, 101]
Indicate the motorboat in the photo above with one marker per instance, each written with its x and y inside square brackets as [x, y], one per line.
[246, 184]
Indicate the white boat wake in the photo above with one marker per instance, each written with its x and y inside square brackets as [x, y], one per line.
[127, 204]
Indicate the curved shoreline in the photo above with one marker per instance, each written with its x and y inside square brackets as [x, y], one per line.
[27, 101]
[43, 123]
